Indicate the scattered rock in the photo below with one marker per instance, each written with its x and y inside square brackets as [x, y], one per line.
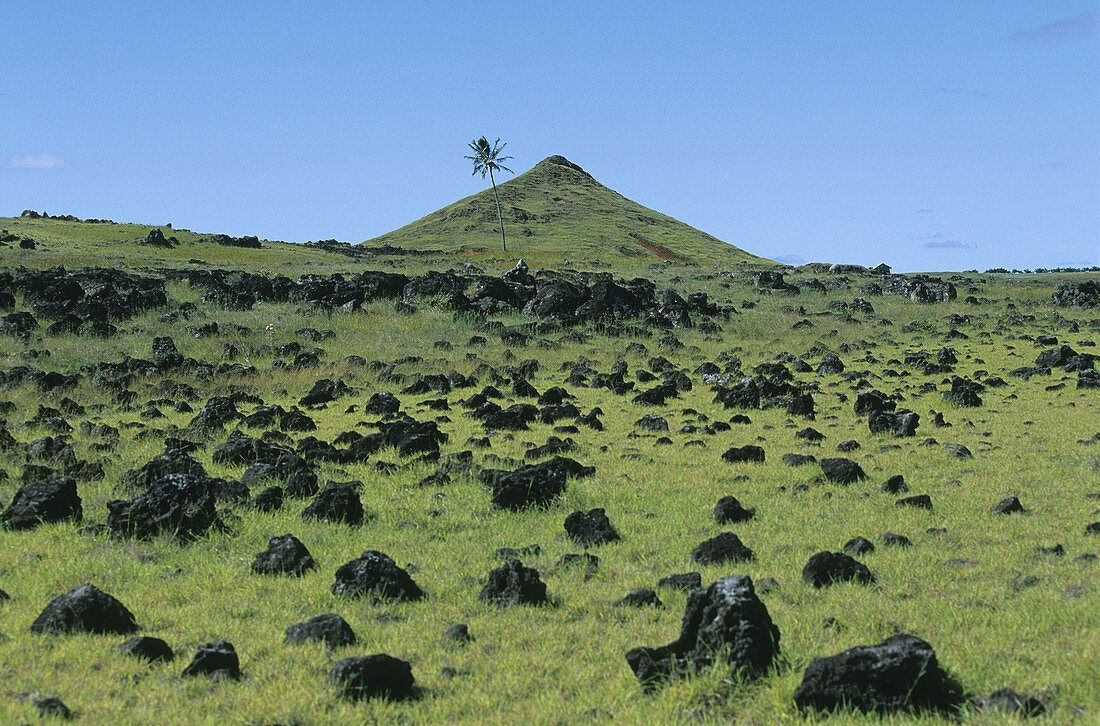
[900, 674]
[729, 511]
[1011, 505]
[374, 575]
[1008, 701]
[640, 598]
[828, 568]
[217, 660]
[151, 649]
[590, 528]
[842, 471]
[330, 629]
[726, 620]
[374, 676]
[726, 547]
[514, 584]
[85, 609]
[285, 555]
[51, 500]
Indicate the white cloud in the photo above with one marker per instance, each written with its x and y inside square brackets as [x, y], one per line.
[1080, 26]
[35, 161]
[795, 260]
[950, 244]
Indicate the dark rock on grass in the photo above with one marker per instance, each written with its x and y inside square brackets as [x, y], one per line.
[895, 485]
[573, 559]
[686, 581]
[900, 674]
[219, 411]
[641, 598]
[339, 503]
[724, 621]
[1054, 357]
[890, 539]
[52, 500]
[507, 553]
[148, 648]
[552, 447]
[964, 392]
[85, 609]
[590, 528]
[269, 500]
[845, 446]
[1088, 380]
[726, 547]
[52, 707]
[514, 584]
[514, 418]
[324, 391]
[217, 660]
[900, 424]
[920, 501]
[744, 453]
[728, 510]
[179, 505]
[1008, 701]
[534, 485]
[652, 422]
[285, 555]
[330, 629]
[958, 451]
[374, 575]
[799, 459]
[859, 546]
[842, 471]
[873, 401]
[459, 633]
[382, 403]
[1093, 528]
[810, 434]
[173, 461]
[828, 568]
[1010, 505]
[373, 676]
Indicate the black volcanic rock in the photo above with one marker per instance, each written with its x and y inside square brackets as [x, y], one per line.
[285, 555]
[726, 547]
[514, 584]
[374, 575]
[728, 511]
[590, 528]
[900, 674]
[85, 609]
[828, 568]
[724, 621]
[330, 629]
[50, 500]
[842, 471]
[148, 648]
[380, 675]
[217, 660]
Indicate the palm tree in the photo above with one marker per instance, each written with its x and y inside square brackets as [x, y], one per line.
[486, 160]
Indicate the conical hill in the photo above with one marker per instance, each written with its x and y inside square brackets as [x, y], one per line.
[557, 208]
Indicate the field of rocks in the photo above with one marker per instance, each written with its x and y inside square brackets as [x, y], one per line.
[414, 490]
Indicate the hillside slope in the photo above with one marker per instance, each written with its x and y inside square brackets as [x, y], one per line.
[557, 208]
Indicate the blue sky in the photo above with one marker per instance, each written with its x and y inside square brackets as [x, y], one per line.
[932, 135]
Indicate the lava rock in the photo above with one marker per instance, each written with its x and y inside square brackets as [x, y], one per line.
[330, 629]
[921, 501]
[51, 500]
[148, 648]
[842, 471]
[641, 598]
[514, 584]
[1009, 701]
[726, 547]
[1011, 505]
[859, 546]
[590, 528]
[374, 676]
[686, 581]
[375, 575]
[285, 555]
[729, 511]
[895, 485]
[85, 609]
[339, 503]
[178, 504]
[900, 674]
[724, 621]
[828, 568]
[217, 660]
[744, 453]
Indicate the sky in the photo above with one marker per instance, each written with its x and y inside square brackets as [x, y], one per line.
[934, 136]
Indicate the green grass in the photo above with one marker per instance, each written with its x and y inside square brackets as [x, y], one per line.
[556, 664]
[556, 209]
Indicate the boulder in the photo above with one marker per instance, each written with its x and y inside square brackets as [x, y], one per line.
[514, 584]
[147, 648]
[725, 621]
[729, 511]
[373, 676]
[179, 505]
[726, 547]
[374, 575]
[828, 568]
[900, 674]
[749, 453]
[217, 660]
[590, 528]
[285, 555]
[842, 471]
[330, 629]
[85, 609]
[339, 503]
[50, 500]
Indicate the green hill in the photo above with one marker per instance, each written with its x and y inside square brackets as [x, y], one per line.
[557, 208]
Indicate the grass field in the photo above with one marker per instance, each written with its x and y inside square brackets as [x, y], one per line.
[973, 584]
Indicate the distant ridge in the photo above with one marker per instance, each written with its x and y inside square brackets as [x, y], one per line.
[557, 208]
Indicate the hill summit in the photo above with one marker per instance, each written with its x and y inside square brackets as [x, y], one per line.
[557, 208]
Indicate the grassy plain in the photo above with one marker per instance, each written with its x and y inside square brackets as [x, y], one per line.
[963, 585]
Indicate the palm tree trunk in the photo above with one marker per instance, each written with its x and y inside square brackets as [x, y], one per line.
[500, 216]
